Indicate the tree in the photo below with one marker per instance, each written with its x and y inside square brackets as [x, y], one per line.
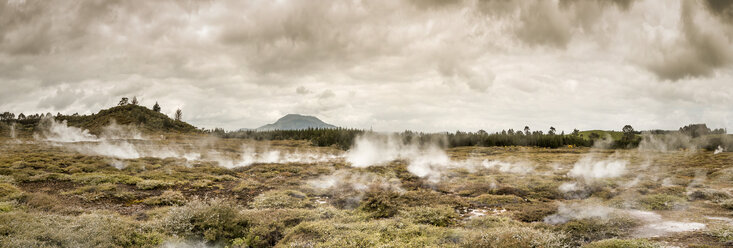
[627, 129]
[576, 132]
[156, 107]
[628, 137]
[526, 130]
[123, 101]
[552, 131]
[21, 116]
[7, 116]
[179, 115]
[134, 100]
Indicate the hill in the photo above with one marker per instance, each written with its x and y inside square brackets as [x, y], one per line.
[296, 122]
[143, 118]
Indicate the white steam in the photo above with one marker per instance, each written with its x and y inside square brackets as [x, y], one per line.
[589, 168]
[517, 168]
[59, 131]
[12, 130]
[426, 160]
[251, 155]
[719, 150]
[653, 225]
[354, 180]
[577, 211]
[423, 160]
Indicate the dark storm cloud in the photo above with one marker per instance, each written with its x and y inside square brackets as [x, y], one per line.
[699, 52]
[721, 8]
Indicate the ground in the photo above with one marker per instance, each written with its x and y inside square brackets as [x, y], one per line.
[60, 194]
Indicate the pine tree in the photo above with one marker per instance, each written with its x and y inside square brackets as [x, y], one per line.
[156, 107]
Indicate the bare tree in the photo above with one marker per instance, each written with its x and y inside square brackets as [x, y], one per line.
[179, 114]
[134, 100]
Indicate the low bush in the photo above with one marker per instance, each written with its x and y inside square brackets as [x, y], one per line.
[592, 229]
[532, 211]
[494, 201]
[490, 221]
[515, 236]
[442, 216]
[152, 184]
[661, 202]
[217, 221]
[281, 199]
[168, 197]
[623, 243]
[380, 203]
[723, 233]
[9, 192]
[376, 233]
[21, 229]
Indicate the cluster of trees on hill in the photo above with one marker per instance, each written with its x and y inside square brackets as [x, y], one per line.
[340, 137]
[126, 112]
[344, 138]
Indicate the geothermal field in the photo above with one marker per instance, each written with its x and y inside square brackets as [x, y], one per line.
[62, 186]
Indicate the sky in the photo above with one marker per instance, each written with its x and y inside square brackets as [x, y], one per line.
[388, 65]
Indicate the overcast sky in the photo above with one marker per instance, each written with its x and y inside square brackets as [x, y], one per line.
[427, 65]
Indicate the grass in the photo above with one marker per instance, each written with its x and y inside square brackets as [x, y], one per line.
[51, 196]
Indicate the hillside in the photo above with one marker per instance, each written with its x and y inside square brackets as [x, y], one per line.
[145, 119]
[296, 122]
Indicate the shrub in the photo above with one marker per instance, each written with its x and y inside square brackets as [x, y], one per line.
[514, 237]
[442, 216]
[376, 233]
[490, 221]
[88, 230]
[9, 192]
[281, 199]
[216, 220]
[592, 229]
[168, 197]
[269, 226]
[709, 194]
[100, 178]
[487, 200]
[723, 233]
[101, 191]
[622, 243]
[727, 204]
[41, 201]
[534, 211]
[380, 203]
[152, 184]
[6, 206]
[661, 202]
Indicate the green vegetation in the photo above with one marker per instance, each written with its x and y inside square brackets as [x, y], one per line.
[53, 196]
[623, 243]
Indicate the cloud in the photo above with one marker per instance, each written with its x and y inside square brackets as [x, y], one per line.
[301, 90]
[701, 49]
[391, 65]
[542, 23]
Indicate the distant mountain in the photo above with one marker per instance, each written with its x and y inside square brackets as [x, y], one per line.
[296, 122]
